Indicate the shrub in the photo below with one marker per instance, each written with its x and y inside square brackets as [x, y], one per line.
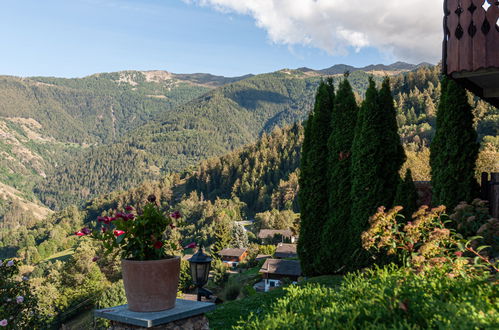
[17, 304]
[394, 298]
[114, 295]
[468, 218]
[231, 291]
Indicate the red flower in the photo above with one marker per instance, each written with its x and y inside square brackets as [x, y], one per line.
[158, 245]
[176, 215]
[101, 219]
[458, 253]
[129, 208]
[120, 215]
[190, 246]
[104, 229]
[118, 233]
[130, 216]
[79, 233]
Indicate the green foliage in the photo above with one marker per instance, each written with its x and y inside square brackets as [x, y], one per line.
[114, 295]
[377, 156]
[383, 299]
[239, 236]
[334, 247]
[231, 291]
[407, 195]
[454, 150]
[17, 302]
[185, 281]
[313, 194]
[275, 219]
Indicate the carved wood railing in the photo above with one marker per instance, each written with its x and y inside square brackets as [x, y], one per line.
[471, 29]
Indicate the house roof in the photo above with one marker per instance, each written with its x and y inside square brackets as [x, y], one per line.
[285, 251]
[263, 256]
[270, 233]
[281, 267]
[232, 252]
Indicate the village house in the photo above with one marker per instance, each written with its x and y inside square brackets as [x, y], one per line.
[268, 236]
[232, 257]
[275, 271]
[285, 251]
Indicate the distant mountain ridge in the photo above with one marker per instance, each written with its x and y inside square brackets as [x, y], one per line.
[149, 122]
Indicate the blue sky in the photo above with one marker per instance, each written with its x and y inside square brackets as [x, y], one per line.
[74, 38]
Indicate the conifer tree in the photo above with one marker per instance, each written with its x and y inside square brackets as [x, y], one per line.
[377, 156]
[407, 196]
[340, 150]
[313, 195]
[454, 149]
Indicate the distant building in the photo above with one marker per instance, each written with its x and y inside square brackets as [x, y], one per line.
[285, 251]
[233, 257]
[262, 257]
[268, 236]
[274, 271]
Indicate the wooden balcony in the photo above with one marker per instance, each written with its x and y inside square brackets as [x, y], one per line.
[471, 46]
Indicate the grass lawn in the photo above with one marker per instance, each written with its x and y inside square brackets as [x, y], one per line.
[228, 314]
[63, 255]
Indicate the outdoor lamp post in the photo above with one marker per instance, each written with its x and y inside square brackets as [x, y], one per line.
[200, 269]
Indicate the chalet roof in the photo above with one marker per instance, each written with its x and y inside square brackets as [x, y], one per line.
[232, 252]
[285, 251]
[270, 233]
[281, 267]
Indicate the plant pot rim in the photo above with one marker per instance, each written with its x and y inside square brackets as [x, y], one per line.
[157, 260]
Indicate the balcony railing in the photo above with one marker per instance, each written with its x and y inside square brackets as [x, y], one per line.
[471, 45]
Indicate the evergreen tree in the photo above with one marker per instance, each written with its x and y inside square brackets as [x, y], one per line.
[407, 195]
[313, 195]
[340, 149]
[376, 160]
[454, 150]
[392, 155]
[239, 236]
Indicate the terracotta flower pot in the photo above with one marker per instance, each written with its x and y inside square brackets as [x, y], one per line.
[152, 285]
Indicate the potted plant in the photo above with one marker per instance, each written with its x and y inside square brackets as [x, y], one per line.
[145, 241]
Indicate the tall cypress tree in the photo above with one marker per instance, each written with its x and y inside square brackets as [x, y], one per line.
[313, 194]
[334, 247]
[392, 154]
[454, 149]
[376, 161]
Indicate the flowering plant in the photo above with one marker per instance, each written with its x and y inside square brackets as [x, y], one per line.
[148, 234]
[17, 304]
[425, 242]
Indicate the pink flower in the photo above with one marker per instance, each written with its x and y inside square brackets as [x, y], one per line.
[118, 233]
[120, 215]
[111, 219]
[3, 323]
[19, 299]
[176, 215]
[190, 246]
[158, 245]
[10, 263]
[458, 253]
[129, 208]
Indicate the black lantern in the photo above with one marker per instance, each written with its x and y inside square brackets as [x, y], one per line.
[200, 269]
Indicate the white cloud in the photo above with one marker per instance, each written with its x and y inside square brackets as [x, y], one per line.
[406, 29]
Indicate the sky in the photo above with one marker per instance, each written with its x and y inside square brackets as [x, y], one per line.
[75, 38]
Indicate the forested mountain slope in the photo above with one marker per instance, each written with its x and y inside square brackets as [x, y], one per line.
[213, 124]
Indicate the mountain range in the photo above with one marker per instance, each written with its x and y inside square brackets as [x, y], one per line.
[65, 141]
